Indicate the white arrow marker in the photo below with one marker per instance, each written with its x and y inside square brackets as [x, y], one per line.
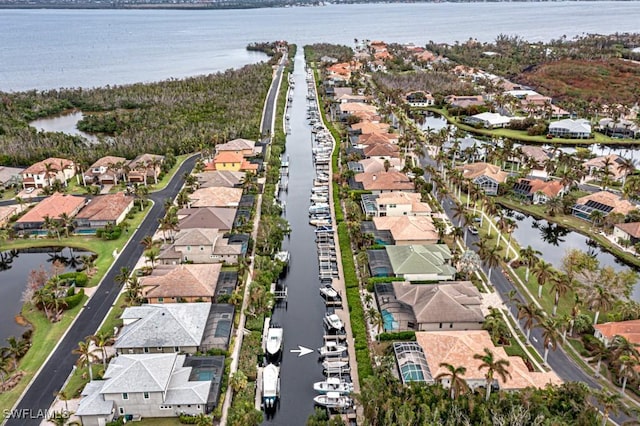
[302, 351]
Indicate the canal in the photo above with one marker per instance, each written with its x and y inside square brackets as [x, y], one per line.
[302, 317]
[15, 267]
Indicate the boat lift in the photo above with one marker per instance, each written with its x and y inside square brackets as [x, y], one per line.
[280, 296]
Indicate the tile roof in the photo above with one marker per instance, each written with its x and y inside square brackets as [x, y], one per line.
[220, 178]
[549, 188]
[443, 302]
[163, 325]
[632, 228]
[376, 165]
[382, 150]
[143, 159]
[608, 199]
[207, 217]
[539, 154]
[473, 170]
[57, 164]
[391, 180]
[367, 127]
[630, 330]
[197, 237]
[139, 373]
[614, 164]
[7, 211]
[236, 145]
[420, 259]
[407, 228]
[375, 138]
[216, 197]
[228, 157]
[401, 197]
[105, 207]
[107, 161]
[353, 107]
[7, 173]
[459, 347]
[182, 281]
[53, 207]
[93, 402]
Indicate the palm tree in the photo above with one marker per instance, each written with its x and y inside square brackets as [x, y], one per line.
[238, 381]
[42, 297]
[102, 340]
[66, 223]
[600, 298]
[17, 348]
[4, 367]
[85, 353]
[375, 318]
[62, 396]
[543, 272]
[550, 335]
[493, 366]
[122, 276]
[147, 242]
[491, 259]
[133, 291]
[458, 213]
[599, 353]
[529, 313]
[596, 217]
[560, 285]
[454, 375]
[610, 403]
[152, 255]
[627, 369]
[529, 257]
[621, 346]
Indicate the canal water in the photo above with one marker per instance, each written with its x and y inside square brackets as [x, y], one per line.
[65, 123]
[303, 314]
[553, 241]
[14, 274]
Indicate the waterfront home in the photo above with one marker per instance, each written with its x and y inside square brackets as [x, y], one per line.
[570, 128]
[459, 348]
[630, 330]
[535, 158]
[107, 170]
[487, 176]
[408, 230]
[602, 201]
[103, 210]
[174, 327]
[413, 262]
[424, 56]
[368, 127]
[377, 138]
[620, 128]
[465, 101]
[206, 218]
[343, 98]
[53, 207]
[152, 385]
[216, 197]
[398, 203]
[627, 232]
[7, 212]
[145, 167]
[488, 120]
[430, 307]
[244, 147]
[45, 172]
[230, 161]
[375, 165]
[10, 176]
[382, 151]
[341, 71]
[538, 191]
[181, 283]
[199, 245]
[381, 182]
[420, 99]
[595, 167]
[220, 178]
[351, 108]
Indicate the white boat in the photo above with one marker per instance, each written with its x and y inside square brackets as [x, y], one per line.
[333, 384]
[334, 365]
[273, 344]
[328, 292]
[332, 349]
[318, 198]
[333, 400]
[283, 256]
[270, 386]
[320, 222]
[333, 322]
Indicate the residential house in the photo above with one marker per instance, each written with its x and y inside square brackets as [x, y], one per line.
[244, 147]
[595, 167]
[459, 348]
[199, 245]
[425, 56]
[206, 218]
[174, 327]
[408, 230]
[343, 98]
[220, 178]
[627, 232]
[216, 197]
[381, 150]
[413, 262]
[103, 210]
[620, 128]
[489, 120]
[570, 128]
[420, 99]
[45, 172]
[145, 167]
[602, 201]
[376, 138]
[487, 176]
[107, 170]
[230, 161]
[53, 207]
[375, 165]
[351, 108]
[381, 182]
[536, 158]
[465, 101]
[395, 204]
[630, 330]
[181, 283]
[538, 191]
[152, 385]
[430, 307]
[7, 212]
[368, 127]
[10, 176]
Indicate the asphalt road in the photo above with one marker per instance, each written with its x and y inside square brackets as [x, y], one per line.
[558, 360]
[40, 395]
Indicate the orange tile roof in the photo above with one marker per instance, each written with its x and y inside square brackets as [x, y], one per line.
[106, 207]
[609, 199]
[413, 198]
[376, 165]
[408, 228]
[367, 127]
[473, 170]
[632, 228]
[228, 157]
[372, 138]
[549, 188]
[183, 281]
[53, 207]
[391, 180]
[630, 330]
[216, 197]
[381, 150]
[353, 107]
[57, 164]
[107, 161]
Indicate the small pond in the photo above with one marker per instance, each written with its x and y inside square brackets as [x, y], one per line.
[65, 123]
[15, 267]
[553, 241]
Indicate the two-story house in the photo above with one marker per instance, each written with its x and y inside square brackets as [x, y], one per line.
[200, 245]
[105, 171]
[45, 172]
[397, 203]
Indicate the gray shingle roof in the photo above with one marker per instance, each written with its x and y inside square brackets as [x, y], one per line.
[170, 325]
[92, 402]
[139, 373]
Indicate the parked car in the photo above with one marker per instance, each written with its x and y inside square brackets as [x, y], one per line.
[473, 230]
[29, 190]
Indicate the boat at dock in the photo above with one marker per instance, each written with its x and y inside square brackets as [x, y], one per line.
[333, 400]
[270, 386]
[328, 292]
[332, 349]
[333, 322]
[283, 256]
[273, 340]
[333, 384]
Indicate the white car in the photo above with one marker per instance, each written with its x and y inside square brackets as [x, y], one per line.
[29, 190]
[473, 230]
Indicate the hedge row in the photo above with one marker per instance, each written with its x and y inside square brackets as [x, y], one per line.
[75, 300]
[401, 335]
[79, 279]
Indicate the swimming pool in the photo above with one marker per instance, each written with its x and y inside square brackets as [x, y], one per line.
[389, 322]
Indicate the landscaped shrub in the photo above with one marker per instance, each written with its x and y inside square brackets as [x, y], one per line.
[79, 279]
[73, 301]
[401, 335]
[186, 419]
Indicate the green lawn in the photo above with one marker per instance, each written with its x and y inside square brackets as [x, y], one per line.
[113, 317]
[77, 381]
[159, 421]
[162, 183]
